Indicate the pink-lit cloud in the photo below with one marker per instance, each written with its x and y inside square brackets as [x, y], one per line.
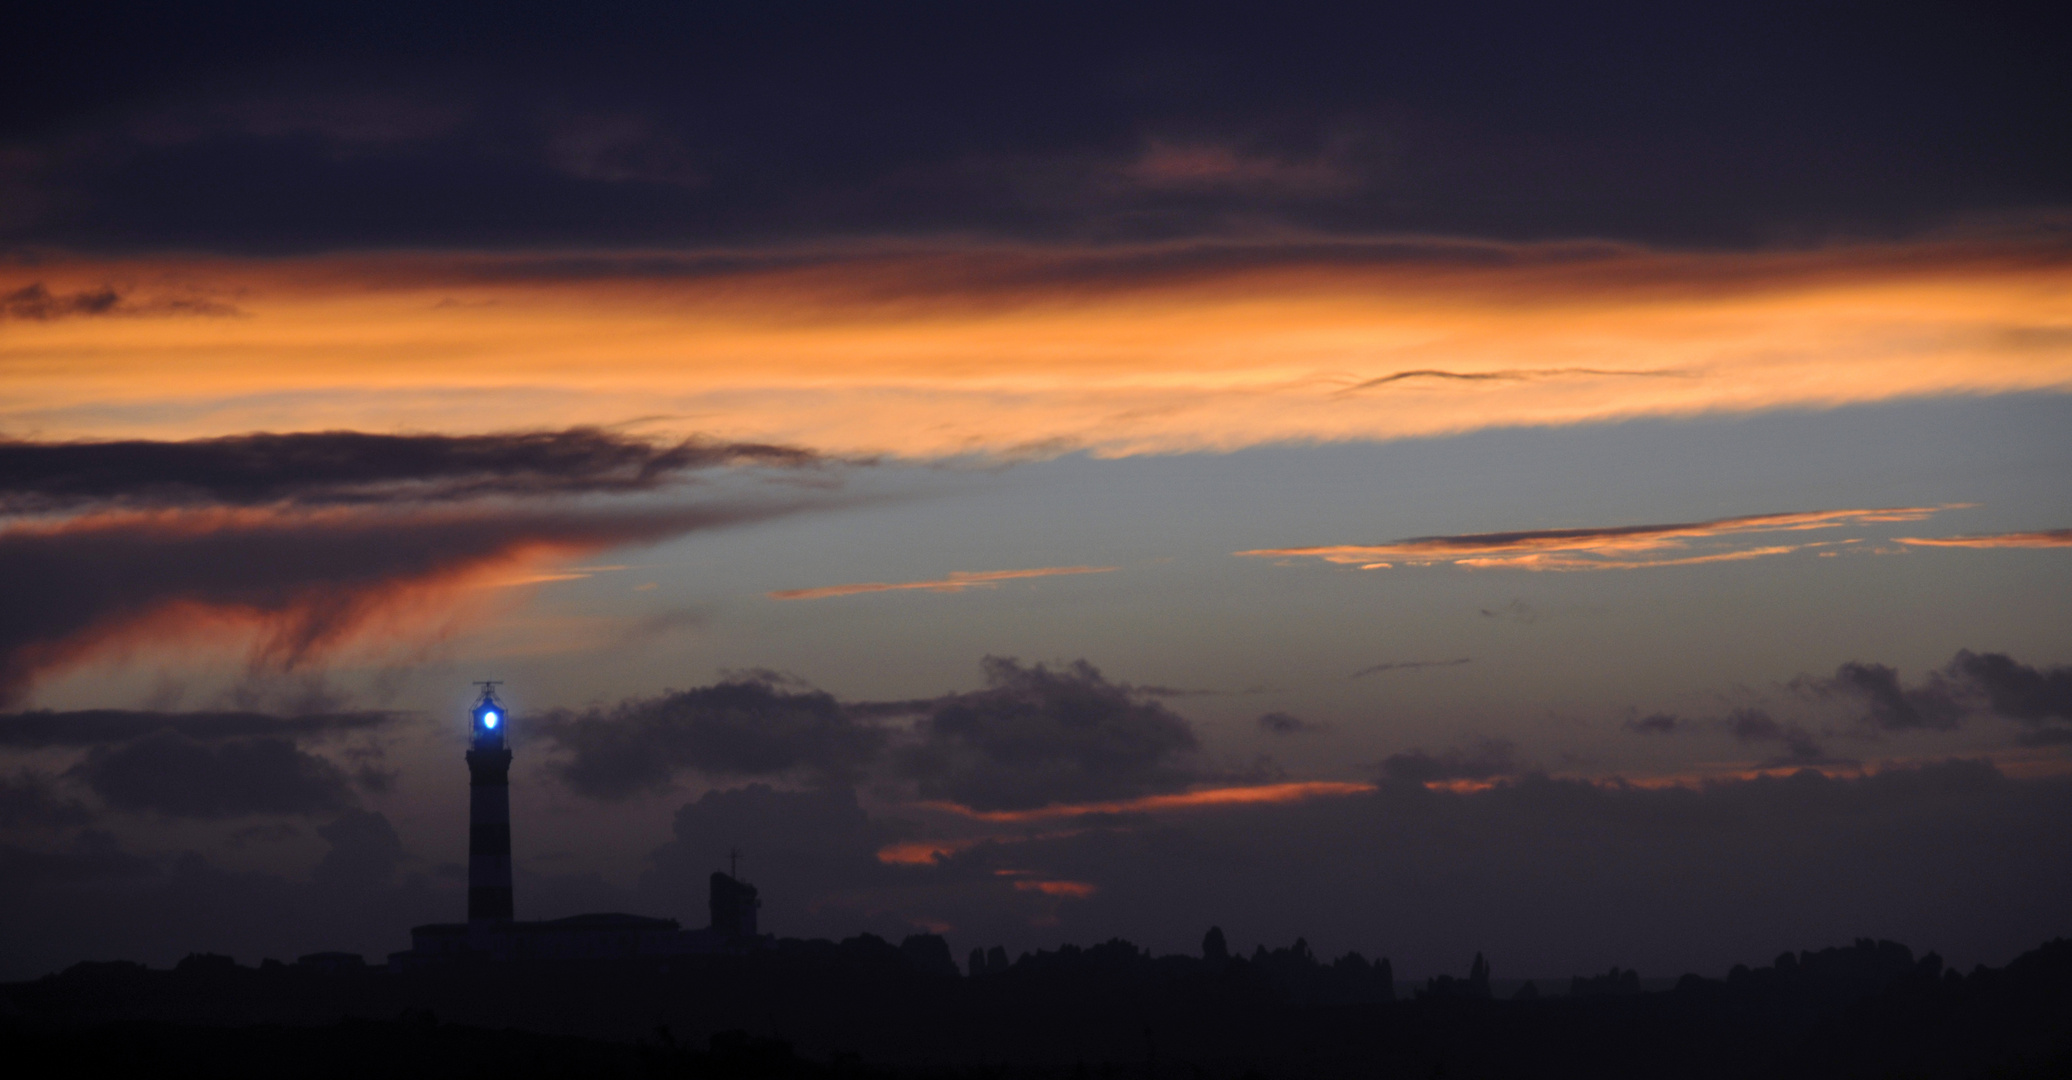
[1070, 890]
[1188, 800]
[1612, 548]
[957, 581]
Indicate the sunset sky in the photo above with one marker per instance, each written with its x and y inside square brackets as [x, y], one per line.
[1589, 486]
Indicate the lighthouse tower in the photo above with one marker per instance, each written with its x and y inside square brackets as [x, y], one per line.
[489, 812]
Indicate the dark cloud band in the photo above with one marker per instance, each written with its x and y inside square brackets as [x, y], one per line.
[94, 727]
[302, 582]
[352, 467]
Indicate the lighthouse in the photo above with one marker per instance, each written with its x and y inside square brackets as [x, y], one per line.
[492, 934]
[489, 812]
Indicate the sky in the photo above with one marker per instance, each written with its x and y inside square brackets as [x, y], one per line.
[1589, 486]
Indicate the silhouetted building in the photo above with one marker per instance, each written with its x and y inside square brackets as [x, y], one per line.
[734, 905]
[1215, 951]
[492, 934]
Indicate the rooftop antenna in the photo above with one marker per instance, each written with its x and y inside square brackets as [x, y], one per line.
[734, 863]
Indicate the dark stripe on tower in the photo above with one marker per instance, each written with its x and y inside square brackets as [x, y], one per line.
[489, 834]
[485, 838]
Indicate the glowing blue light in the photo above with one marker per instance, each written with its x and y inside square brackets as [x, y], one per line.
[489, 719]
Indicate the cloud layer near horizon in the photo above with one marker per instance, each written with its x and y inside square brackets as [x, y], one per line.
[1547, 876]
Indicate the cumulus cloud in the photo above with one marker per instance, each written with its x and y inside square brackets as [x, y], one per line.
[1800, 746]
[1486, 759]
[171, 774]
[32, 798]
[1887, 705]
[809, 853]
[746, 726]
[364, 851]
[1863, 698]
[1038, 734]
[92, 856]
[353, 467]
[1622, 547]
[1280, 723]
[2034, 696]
[190, 764]
[1655, 724]
[98, 898]
[2016, 690]
[1035, 735]
[1970, 683]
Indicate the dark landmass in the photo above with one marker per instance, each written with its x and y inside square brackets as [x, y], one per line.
[868, 1008]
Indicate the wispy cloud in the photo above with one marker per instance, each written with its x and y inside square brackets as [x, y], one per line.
[957, 581]
[929, 852]
[2048, 538]
[1556, 562]
[1186, 800]
[1507, 375]
[1071, 890]
[1612, 548]
[1409, 665]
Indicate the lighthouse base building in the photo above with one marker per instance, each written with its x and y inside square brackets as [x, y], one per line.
[591, 937]
[492, 935]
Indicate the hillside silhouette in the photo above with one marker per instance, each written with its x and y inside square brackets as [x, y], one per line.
[869, 1007]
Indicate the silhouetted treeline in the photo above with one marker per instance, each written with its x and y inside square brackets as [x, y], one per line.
[824, 1008]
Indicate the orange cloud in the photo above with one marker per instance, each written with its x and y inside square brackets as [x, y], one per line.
[2047, 539]
[1556, 562]
[925, 852]
[1191, 800]
[1072, 890]
[958, 581]
[928, 852]
[296, 585]
[928, 352]
[1592, 549]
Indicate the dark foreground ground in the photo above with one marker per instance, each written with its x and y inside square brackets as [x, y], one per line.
[865, 1008]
